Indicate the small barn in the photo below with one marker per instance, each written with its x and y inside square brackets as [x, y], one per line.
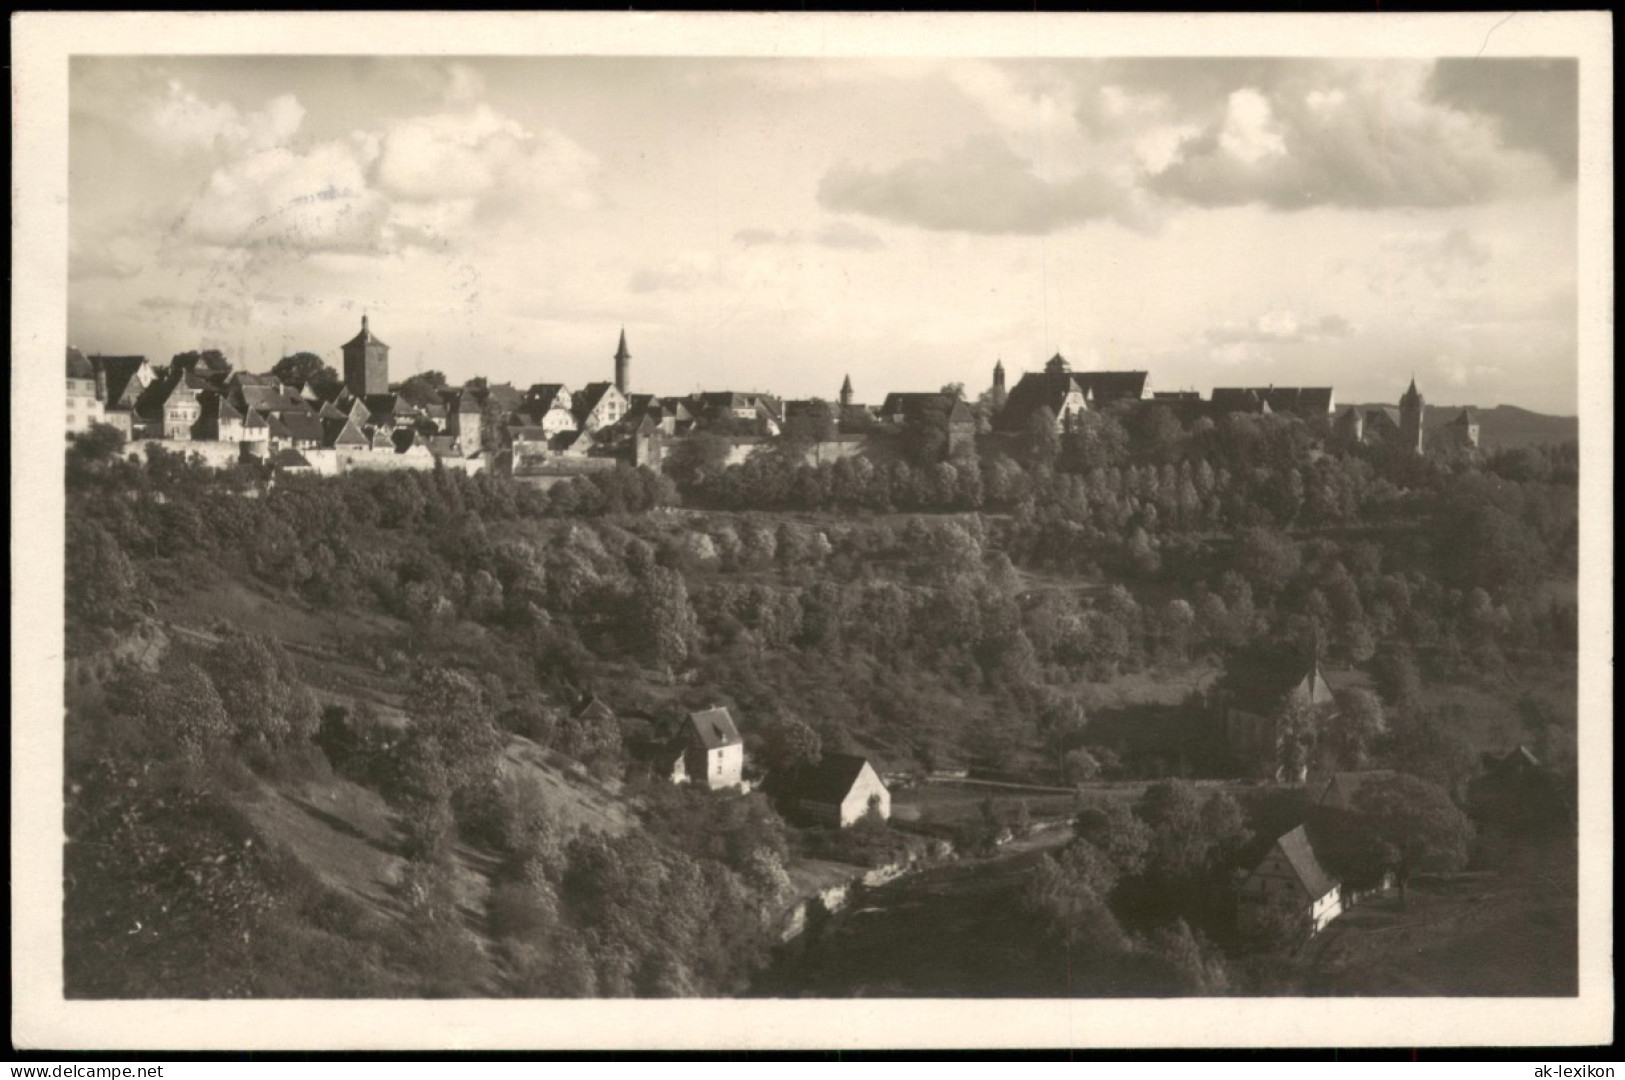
[1290, 878]
[837, 791]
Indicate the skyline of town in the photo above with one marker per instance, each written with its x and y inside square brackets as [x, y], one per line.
[761, 223]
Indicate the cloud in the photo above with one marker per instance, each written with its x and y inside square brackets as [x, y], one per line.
[414, 182]
[117, 258]
[846, 236]
[979, 187]
[1279, 327]
[313, 200]
[182, 121]
[1364, 137]
[476, 153]
[840, 235]
[1534, 101]
[687, 271]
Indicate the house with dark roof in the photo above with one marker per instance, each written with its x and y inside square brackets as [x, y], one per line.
[903, 408]
[343, 434]
[839, 790]
[304, 430]
[598, 405]
[1290, 881]
[1305, 402]
[170, 404]
[220, 420]
[120, 381]
[1066, 394]
[1463, 430]
[289, 460]
[713, 752]
[592, 708]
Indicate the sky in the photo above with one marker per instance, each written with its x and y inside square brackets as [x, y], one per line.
[776, 224]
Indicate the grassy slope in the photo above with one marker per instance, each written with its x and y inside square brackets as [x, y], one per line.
[344, 832]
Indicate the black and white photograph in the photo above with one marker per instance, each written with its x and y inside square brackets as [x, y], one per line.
[1093, 524]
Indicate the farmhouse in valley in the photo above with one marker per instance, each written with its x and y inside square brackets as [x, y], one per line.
[838, 790]
[712, 752]
[1290, 880]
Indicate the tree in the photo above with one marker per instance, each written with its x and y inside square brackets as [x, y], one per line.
[1346, 737]
[925, 431]
[788, 742]
[308, 369]
[1041, 441]
[698, 458]
[1112, 827]
[1421, 828]
[1067, 895]
[102, 586]
[423, 388]
[666, 616]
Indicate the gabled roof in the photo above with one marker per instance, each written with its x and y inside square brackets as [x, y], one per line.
[331, 411]
[594, 709]
[911, 405]
[1383, 416]
[122, 385]
[1312, 688]
[1233, 399]
[828, 782]
[218, 407]
[714, 727]
[387, 405]
[275, 427]
[78, 366]
[342, 431]
[289, 458]
[543, 396]
[467, 402]
[590, 397]
[253, 421]
[1033, 391]
[1468, 415]
[1104, 386]
[527, 433]
[1304, 401]
[302, 427]
[1300, 855]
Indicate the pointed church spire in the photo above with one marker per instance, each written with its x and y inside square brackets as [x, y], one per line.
[623, 366]
[846, 391]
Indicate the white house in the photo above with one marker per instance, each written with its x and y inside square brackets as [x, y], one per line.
[713, 753]
[1290, 878]
[837, 791]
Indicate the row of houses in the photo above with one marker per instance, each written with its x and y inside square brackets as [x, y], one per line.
[199, 398]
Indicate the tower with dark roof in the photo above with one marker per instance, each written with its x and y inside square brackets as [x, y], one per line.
[623, 366]
[1057, 365]
[1410, 418]
[846, 392]
[999, 394]
[366, 363]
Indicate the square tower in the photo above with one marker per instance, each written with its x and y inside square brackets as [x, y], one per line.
[366, 364]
